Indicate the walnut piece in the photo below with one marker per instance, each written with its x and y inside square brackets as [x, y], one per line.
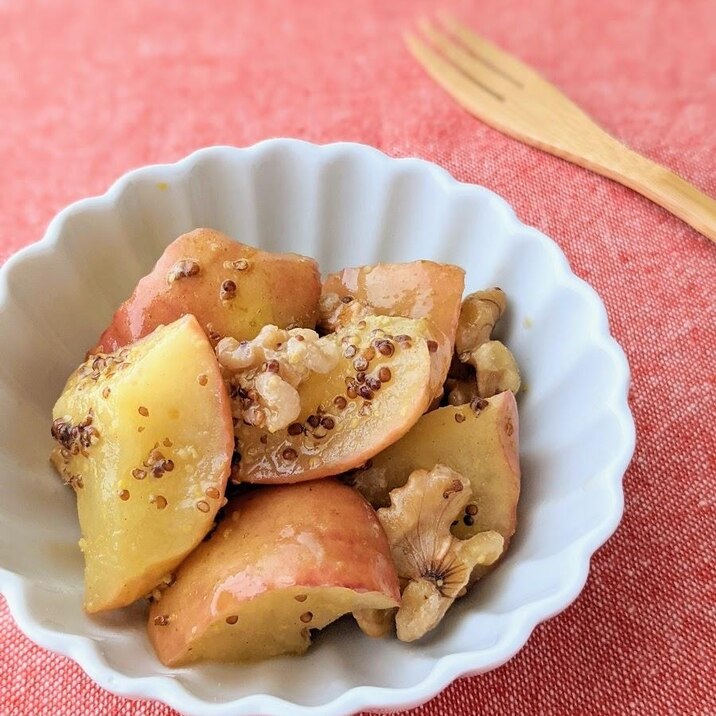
[479, 313]
[495, 367]
[279, 400]
[267, 370]
[434, 565]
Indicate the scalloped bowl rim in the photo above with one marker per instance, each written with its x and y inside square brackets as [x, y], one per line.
[447, 668]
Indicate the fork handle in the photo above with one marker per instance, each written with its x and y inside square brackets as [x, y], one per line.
[657, 183]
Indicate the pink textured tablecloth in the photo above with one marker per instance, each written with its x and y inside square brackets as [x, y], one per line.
[89, 90]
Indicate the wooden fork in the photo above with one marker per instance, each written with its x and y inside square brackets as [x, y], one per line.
[511, 97]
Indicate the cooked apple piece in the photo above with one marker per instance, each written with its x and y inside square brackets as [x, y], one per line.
[232, 289]
[432, 563]
[308, 407]
[479, 441]
[145, 437]
[420, 289]
[285, 560]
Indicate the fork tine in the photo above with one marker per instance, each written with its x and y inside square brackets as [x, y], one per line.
[478, 69]
[451, 79]
[489, 53]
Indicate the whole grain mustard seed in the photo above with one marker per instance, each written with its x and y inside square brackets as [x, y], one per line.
[373, 383]
[385, 347]
[203, 506]
[471, 509]
[459, 418]
[203, 379]
[301, 597]
[143, 411]
[213, 493]
[238, 265]
[306, 617]
[161, 620]
[232, 619]
[138, 473]
[183, 269]
[124, 495]
[340, 402]
[384, 374]
[228, 290]
[295, 429]
[289, 454]
[432, 346]
[159, 500]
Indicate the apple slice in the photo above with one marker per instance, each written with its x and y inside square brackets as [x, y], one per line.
[480, 442]
[376, 390]
[420, 289]
[285, 560]
[145, 437]
[232, 289]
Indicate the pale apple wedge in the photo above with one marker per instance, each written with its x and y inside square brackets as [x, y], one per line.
[232, 289]
[145, 437]
[419, 289]
[285, 560]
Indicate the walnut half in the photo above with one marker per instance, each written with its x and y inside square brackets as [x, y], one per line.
[433, 565]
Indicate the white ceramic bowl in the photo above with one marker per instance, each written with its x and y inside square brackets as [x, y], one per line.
[346, 205]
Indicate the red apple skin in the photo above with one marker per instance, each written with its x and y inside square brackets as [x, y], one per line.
[282, 289]
[315, 535]
[419, 289]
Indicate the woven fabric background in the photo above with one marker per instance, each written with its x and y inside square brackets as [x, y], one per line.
[90, 90]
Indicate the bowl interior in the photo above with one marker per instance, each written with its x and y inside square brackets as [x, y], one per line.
[344, 205]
